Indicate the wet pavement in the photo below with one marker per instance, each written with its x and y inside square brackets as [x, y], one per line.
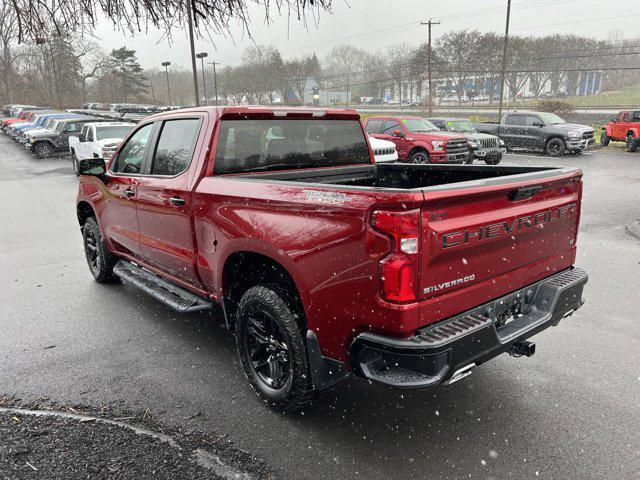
[571, 411]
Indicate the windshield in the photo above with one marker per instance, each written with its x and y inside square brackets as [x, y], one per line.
[551, 119]
[115, 131]
[460, 126]
[416, 125]
[53, 123]
[254, 145]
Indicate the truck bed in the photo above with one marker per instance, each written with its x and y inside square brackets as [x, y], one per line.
[415, 177]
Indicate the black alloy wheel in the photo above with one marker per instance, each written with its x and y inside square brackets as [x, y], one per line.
[271, 346]
[267, 348]
[632, 144]
[556, 147]
[604, 139]
[100, 260]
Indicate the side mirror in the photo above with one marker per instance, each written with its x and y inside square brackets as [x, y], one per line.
[93, 166]
[398, 133]
[82, 138]
[538, 124]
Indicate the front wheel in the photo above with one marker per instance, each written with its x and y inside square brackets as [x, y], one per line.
[43, 150]
[100, 260]
[419, 157]
[555, 147]
[272, 350]
[604, 139]
[493, 160]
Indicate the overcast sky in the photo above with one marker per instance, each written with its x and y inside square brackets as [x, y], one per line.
[374, 24]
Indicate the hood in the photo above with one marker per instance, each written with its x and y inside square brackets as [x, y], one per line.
[476, 136]
[436, 134]
[571, 126]
[42, 133]
[109, 142]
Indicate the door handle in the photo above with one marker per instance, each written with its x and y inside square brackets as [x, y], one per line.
[129, 193]
[176, 201]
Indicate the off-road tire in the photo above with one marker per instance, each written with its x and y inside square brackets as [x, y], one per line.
[555, 147]
[296, 393]
[494, 160]
[632, 144]
[604, 139]
[102, 270]
[419, 157]
[74, 161]
[43, 150]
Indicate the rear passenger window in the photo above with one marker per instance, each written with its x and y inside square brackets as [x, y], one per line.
[514, 120]
[175, 146]
[374, 126]
[626, 116]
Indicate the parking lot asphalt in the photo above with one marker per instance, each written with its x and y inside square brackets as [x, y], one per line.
[571, 411]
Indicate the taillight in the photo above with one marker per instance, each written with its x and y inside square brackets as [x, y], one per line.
[398, 270]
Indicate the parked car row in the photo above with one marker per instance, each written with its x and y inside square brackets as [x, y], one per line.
[437, 140]
[46, 132]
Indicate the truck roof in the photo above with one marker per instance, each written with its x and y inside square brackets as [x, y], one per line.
[268, 111]
[112, 124]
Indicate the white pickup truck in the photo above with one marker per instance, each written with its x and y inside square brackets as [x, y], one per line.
[97, 140]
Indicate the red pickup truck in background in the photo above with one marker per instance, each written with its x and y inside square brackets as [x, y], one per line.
[418, 140]
[324, 263]
[624, 127]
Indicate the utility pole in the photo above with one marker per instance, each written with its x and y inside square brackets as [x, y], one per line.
[194, 68]
[429, 24]
[42, 41]
[504, 59]
[215, 80]
[166, 71]
[202, 56]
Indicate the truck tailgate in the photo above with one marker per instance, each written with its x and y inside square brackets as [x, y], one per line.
[480, 242]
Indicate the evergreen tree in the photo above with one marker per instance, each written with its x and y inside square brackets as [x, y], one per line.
[128, 73]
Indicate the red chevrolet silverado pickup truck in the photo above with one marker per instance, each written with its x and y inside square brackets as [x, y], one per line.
[323, 263]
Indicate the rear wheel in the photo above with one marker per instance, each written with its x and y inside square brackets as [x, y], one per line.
[419, 157]
[556, 147]
[632, 144]
[100, 260]
[272, 350]
[604, 139]
[43, 150]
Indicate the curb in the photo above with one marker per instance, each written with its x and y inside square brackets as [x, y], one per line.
[206, 459]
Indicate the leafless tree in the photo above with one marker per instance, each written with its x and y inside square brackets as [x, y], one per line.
[34, 17]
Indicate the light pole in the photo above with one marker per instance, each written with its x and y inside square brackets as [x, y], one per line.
[166, 71]
[504, 60]
[215, 80]
[202, 56]
[153, 92]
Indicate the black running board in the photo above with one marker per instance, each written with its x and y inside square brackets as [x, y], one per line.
[173, 296]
